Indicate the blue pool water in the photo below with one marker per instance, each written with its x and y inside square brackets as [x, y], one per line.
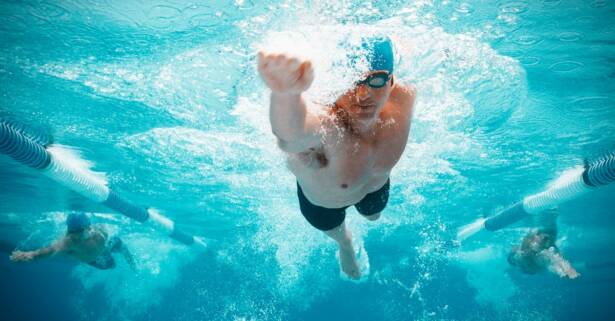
[164, 98]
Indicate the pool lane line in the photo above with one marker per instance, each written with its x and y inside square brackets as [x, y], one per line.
[51, 162]
[570, 185]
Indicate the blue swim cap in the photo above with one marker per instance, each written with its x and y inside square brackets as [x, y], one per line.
[379, 53]
[76, 222]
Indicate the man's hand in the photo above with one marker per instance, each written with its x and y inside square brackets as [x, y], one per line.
[285, 75]
[20, 256]
[558, 264]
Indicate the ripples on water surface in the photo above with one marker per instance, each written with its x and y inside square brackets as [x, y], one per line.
[164, 98]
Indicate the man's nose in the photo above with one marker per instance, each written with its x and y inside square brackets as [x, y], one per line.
[362, 92]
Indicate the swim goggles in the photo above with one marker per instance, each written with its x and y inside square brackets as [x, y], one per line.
[376, 80]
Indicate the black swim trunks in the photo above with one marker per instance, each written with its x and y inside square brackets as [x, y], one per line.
[105, 260]
[326, 219]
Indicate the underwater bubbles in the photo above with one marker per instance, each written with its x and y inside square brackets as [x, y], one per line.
[598, 3]
[334, 71]
[527, 40]
[566, 66]
[47, 11]
[515, 7]
[529, 60]
[12, 26]
[162, 16]
[570, 36]
[204, 20]
[465, 8]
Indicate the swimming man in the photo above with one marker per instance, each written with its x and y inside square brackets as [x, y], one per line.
[84, 242]
[343, 157]
[538, 251]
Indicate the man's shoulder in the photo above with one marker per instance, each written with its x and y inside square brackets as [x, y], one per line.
[404, 94]
[402, 100]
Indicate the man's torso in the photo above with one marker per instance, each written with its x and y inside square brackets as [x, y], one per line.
[346, 167]
[88, 247]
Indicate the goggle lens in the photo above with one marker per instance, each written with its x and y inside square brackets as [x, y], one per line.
[377, 80]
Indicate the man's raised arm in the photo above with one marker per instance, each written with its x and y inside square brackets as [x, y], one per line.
[287, 77]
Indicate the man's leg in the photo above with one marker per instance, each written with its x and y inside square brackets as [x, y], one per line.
[331, 221]
[348, 258]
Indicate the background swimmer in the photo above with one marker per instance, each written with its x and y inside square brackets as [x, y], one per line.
[84, 242]
[538, 251]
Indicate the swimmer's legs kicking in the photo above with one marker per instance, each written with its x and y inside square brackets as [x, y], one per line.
[348, 258]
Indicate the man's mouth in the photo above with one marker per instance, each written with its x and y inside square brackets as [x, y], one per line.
[366, 108]
[366, 105]
[365, 112]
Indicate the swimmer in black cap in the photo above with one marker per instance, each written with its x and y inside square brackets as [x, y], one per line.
[84, 242]
[343, 158]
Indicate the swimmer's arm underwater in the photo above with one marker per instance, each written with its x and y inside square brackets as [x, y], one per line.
[295, 127]
[128, 256]
[25, 256]
[557, 264]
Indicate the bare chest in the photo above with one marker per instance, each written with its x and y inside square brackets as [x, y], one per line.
[348, 164]
[354, 162]
[88, 249]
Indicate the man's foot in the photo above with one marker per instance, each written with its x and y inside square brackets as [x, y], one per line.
[348, 262]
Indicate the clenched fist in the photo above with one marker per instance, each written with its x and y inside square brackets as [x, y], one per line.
[284, 74]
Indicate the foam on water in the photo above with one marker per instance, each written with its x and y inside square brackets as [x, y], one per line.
[184, 85]
[193, 156]
[486, 274]
[131, 293]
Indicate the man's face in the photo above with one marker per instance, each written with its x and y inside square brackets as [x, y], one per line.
[365, 101]
[79, 233]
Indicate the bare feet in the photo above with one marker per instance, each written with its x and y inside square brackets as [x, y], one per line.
[347, 255]
[348, 262]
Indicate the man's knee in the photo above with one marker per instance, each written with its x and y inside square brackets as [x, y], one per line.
[340, 234]
[372, 217]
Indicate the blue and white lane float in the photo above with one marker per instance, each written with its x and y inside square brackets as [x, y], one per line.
[570, 185]
[57, 165]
